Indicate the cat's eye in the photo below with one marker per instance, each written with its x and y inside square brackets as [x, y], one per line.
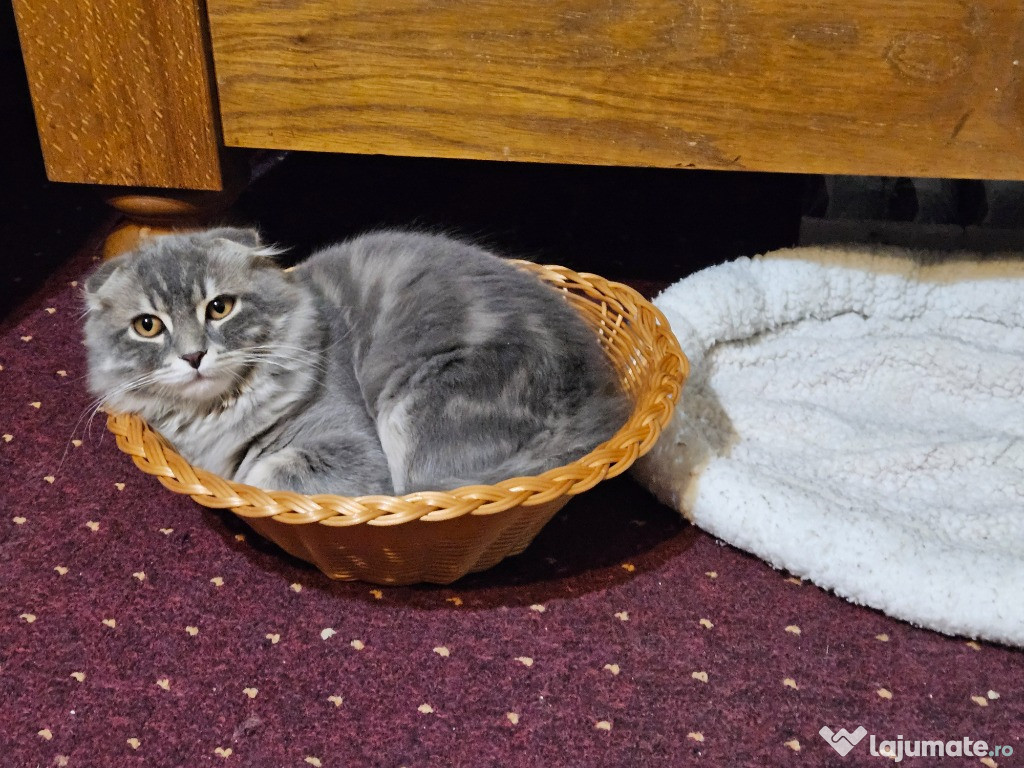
[148, 326]
[220, 307]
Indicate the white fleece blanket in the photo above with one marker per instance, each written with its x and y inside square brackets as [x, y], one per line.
[857, 418]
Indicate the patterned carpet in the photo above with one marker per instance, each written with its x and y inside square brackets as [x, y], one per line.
[137, 628]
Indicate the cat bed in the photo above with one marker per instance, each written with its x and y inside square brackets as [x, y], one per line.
[856, 417]
[439, 536]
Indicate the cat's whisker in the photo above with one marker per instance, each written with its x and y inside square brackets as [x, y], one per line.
[282, 364]
[94, 406]
[279, 351]
[248, 356]
[97, 403]
[85, 412]
[275, 354]
[313, 353]
[279, 358]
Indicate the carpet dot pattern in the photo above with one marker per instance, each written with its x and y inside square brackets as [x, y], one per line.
[137, 628]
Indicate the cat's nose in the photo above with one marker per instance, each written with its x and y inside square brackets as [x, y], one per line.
[194, 358]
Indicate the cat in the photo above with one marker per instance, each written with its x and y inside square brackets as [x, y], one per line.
[394, 362]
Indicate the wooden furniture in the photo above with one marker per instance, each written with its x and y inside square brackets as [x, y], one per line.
[139, 94]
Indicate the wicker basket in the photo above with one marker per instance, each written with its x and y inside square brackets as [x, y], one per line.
[440, 536]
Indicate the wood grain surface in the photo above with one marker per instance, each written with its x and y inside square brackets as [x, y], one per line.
[122, 91]
[915, 87]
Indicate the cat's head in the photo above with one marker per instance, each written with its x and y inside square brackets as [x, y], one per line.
[184, 319]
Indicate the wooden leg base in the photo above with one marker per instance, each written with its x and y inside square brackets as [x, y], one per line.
[151, 212]
[127, 236]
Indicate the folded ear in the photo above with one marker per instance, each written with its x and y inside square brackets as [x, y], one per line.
[246, 236]
[100, 275]
[98, 278]
[260, 255]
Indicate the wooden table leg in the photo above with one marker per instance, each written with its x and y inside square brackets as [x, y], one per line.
[123, 96]
[154, 211]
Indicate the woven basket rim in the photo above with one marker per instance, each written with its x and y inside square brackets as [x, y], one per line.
[153, 454]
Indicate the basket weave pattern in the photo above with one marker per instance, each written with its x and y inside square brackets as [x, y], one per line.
[438, 536]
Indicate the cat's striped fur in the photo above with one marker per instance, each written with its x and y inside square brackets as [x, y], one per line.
[394, 362]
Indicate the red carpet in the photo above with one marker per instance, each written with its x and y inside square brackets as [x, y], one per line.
[139, 629]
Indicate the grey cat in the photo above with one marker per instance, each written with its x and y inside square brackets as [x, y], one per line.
[390, 363]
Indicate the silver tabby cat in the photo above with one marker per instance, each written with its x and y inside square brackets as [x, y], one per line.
[391, 363]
